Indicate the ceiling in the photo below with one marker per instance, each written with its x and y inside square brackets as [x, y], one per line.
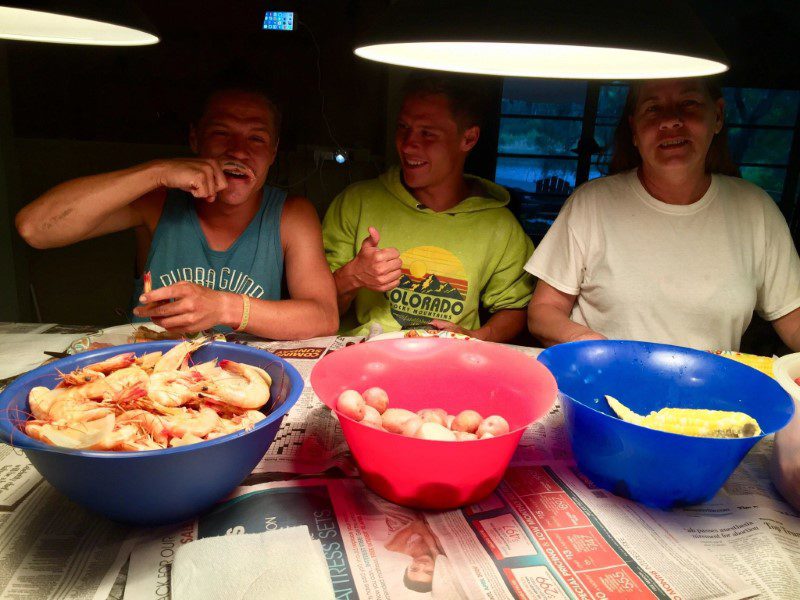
[138, 94]
[760, 37]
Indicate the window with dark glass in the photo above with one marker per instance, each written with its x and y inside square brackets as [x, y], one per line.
[555, 135]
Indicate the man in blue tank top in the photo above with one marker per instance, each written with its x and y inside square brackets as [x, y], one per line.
[219, 237]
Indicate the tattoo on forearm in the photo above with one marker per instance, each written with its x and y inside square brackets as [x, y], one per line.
[53, 221]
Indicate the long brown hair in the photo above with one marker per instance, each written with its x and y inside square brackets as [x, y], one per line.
[626, 156]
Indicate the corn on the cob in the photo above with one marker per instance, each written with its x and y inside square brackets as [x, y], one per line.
[760, 363]
[697, 422]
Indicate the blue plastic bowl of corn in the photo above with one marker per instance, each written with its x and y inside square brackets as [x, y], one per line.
[659, 468]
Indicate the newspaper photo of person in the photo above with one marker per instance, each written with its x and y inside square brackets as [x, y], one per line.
[421, 564]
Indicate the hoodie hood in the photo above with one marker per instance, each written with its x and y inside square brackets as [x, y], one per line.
[490, 194]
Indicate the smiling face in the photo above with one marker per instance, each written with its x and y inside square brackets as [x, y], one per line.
[674, 123]
[431, 147]
[238, 127]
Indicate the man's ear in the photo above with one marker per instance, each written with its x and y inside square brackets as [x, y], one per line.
[193, 138]
[470, 137]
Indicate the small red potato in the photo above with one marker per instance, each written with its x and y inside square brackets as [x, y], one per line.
[372, 417]
[468, 421]
[435, 431]
[394, 418]
[433, 415]
[377, 398]
[351, 404]
[495, 424]
[411, 427]
[463, 436]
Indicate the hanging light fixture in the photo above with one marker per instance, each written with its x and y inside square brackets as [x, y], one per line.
[624, 39]
[92, 22]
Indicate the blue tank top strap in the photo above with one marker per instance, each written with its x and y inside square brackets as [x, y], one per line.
[252, 265]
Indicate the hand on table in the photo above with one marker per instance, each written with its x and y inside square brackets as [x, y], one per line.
[183, 307]
[448, 326]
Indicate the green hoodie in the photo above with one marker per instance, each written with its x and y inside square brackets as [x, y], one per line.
[453, 261]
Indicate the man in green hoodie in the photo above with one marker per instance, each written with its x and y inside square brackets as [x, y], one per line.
[424, 245]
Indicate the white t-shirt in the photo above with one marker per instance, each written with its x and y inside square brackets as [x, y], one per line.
[687, 275]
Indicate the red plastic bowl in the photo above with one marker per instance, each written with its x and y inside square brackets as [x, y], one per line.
[436, 373]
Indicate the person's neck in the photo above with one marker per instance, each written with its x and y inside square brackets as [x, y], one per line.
[443, 196]
[680, 188]
[222, 223]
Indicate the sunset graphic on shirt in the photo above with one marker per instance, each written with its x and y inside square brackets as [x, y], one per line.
[433, 285]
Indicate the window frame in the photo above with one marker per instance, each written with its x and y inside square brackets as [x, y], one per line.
[789, 202]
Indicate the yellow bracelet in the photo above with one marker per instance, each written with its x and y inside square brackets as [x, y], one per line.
[245, 312]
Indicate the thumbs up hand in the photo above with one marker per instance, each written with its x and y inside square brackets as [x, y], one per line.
[375, 268]
[372, 240]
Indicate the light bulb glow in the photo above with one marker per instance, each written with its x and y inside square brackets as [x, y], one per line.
[37, 26]
[540, 60]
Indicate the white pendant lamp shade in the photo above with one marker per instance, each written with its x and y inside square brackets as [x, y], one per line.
[559, 39]
[108, 23]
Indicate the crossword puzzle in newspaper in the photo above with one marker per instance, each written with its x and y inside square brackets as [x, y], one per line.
[310, 439]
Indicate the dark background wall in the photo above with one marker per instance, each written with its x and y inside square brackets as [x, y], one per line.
[77, 110]
[67, 111]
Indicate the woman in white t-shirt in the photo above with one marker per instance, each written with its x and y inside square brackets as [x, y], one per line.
[671, 248]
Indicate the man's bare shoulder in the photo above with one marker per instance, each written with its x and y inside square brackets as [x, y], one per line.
[299, 209]
[298, 220]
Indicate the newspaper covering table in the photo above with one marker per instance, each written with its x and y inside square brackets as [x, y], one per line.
[533, 538]
[546, 532]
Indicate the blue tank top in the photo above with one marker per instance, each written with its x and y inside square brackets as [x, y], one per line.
[253, 265]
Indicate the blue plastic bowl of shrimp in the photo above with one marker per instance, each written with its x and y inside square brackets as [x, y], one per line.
[658, 468]
[151, 487]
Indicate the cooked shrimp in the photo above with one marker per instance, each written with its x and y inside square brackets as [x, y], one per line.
[237, 422]
[72, 410]
[189, 421]
[79, 377]
[42, 400]
[148, 361]
[148, 423]
[178, 356]
[146, 403]
[238, 169]
[87, 435]
[185, 440]
[209, 370]
[173, 388]
[127, 378]
[92, 372]
[242, 386]
[246, 420]
[140, 443]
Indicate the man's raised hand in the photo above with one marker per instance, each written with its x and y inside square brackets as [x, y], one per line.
[201, 177]
[375, 268]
